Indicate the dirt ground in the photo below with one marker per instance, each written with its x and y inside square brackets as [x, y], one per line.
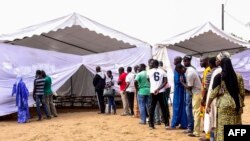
[84, 124]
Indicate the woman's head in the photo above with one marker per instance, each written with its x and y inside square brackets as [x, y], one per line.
[220, 56]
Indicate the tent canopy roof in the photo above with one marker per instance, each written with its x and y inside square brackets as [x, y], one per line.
[203, 39]
[73, 34]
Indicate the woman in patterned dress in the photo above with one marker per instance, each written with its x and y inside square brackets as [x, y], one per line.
[228, 90]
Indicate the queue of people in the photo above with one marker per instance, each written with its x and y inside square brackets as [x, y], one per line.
[216, 97]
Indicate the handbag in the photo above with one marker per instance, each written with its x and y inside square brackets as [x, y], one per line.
[108, 92]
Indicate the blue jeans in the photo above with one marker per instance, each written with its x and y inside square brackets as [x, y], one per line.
[189, 111]
[143, 101]
[40, 98]
[111, 101]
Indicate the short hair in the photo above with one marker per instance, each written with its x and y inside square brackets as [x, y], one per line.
[212, 60]
[179, 66]
[98, 68]
[121, 69]
[129, 69]
[43, 73]
[160, 63]
[178, 58]
[155, 63]
[38, 72]
[109, 71]
[143, 66]
[151, 59]
[188, 57]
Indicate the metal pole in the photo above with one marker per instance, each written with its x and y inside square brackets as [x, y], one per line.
[222, 17]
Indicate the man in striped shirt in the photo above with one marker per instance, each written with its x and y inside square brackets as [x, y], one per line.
[38, 91]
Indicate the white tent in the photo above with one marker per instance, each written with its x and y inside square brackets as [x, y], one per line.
[204, 39]
[87, 43]
[73, 34]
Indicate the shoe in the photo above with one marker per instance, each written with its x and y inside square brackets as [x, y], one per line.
[158, 123]
[55, 115]
[141, 122]
[188, 131]
[180, 127]
[193, 135]
[151, 127]
[39, 119]
[169, 128]
[49, 117]
[100, 113]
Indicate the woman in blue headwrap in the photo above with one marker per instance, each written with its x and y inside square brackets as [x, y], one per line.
[22, 95]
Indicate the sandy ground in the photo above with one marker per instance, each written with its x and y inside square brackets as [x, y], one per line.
[83, 124]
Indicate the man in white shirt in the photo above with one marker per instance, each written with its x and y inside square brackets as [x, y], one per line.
[130, 89]
[158, 79]
[193, 87]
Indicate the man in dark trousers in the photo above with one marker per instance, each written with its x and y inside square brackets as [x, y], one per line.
[99, 84]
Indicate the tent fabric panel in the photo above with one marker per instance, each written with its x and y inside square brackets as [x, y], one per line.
[41, 42]
[24, 61]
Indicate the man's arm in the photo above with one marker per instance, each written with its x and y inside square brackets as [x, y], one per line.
[185, 85]
[95, 81]
[164, 82]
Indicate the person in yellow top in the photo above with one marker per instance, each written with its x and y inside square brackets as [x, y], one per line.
[204, 63]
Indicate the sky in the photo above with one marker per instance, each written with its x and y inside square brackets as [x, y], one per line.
[149, 20]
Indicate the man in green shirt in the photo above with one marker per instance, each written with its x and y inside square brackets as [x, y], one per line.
[142, 87]
[48, 93]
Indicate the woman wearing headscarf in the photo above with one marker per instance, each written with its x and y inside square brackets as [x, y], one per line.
[22, 94]
[228, 90]
[210, 118]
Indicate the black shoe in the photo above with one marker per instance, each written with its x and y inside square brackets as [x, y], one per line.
[180, 127]
[192, 135]
[39, 119]
[151, 127]
[158, 123]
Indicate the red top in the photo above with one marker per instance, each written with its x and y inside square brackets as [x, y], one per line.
[122, 78]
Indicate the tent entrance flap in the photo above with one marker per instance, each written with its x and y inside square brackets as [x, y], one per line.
[79, 84]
